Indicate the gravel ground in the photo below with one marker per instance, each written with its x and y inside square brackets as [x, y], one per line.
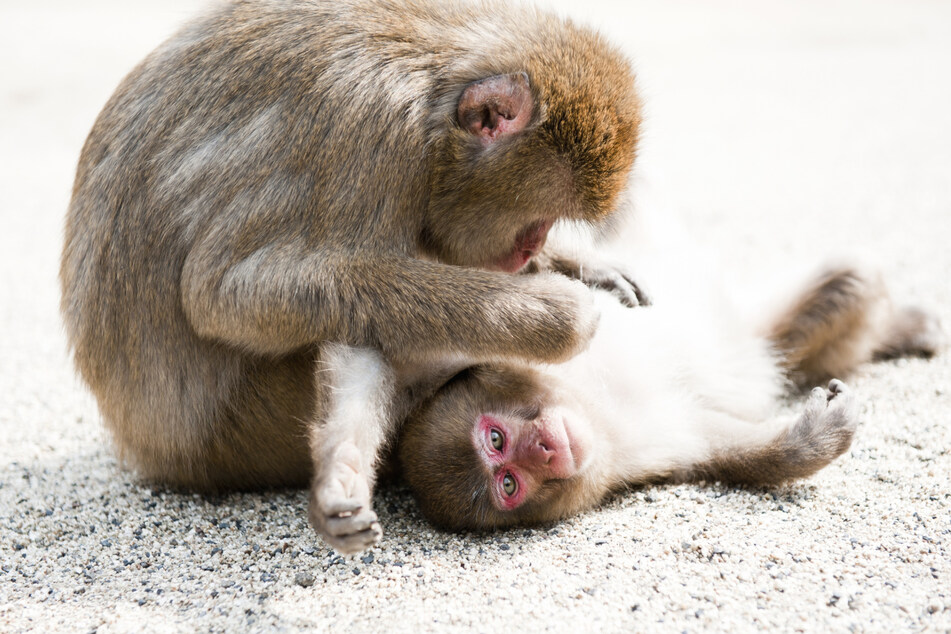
[778, 130]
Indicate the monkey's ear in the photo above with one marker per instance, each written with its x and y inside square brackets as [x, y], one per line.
[496, 106]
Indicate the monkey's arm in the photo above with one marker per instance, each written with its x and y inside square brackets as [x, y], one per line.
[283, 297]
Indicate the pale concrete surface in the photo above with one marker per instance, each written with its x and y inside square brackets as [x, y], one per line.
[777, 129]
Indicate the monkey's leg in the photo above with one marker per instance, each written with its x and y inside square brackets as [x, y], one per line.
[844, 318]
[356, 388]
[831, 326]
[795, 449]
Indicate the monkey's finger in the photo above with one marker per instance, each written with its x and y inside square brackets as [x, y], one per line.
[630, 284]
[350, 544]
[619, 286]
[628, 295]
[643, 297]
[340, 526]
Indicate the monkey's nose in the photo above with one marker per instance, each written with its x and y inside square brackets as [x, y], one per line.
[542, 453]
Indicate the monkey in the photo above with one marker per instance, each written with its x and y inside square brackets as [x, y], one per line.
[663, 394]
[288, 197]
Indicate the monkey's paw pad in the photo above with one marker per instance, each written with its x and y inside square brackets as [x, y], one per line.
[340, 507]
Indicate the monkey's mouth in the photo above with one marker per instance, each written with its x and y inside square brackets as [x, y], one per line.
[577, 446]
[528, 243]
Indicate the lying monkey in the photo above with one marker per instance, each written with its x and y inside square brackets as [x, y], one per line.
[659, 396]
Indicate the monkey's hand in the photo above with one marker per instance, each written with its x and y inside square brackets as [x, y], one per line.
[597, 273]
[340, 502]
[555, 323]
[615, 279]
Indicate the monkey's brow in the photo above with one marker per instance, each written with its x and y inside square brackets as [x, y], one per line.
[528, 412]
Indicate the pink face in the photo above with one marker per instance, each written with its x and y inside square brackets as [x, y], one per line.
[528, 242]
[521, 455]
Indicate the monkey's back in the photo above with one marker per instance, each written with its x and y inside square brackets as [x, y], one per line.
[219, 123]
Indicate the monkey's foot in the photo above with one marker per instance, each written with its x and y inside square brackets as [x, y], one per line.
[340, 502]
[913, 333]
[825, 429]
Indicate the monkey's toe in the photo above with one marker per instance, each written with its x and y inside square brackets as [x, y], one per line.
[618, 281]
[351, 528]
[837, 424]
[829, 410]
[835, 388]
[350, 544]
[351, 524]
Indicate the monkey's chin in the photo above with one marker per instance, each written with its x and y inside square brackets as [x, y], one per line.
[513, 262]
[528, 242]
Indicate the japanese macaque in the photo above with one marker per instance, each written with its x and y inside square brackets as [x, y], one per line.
[681, 391]
[287, 195]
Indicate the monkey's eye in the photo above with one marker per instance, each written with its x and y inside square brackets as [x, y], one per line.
[497, 440]
[509, 485]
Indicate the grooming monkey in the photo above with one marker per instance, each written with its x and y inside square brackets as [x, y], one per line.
[660, 395]
[289, 195]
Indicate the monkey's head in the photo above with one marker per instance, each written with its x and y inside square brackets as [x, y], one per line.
[537, 132]
[496, 448]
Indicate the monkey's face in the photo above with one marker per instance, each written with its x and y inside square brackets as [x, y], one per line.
[522, 449]
[495, 448]
[522, 153]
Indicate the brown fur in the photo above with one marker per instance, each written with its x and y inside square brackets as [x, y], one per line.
[281, 174]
